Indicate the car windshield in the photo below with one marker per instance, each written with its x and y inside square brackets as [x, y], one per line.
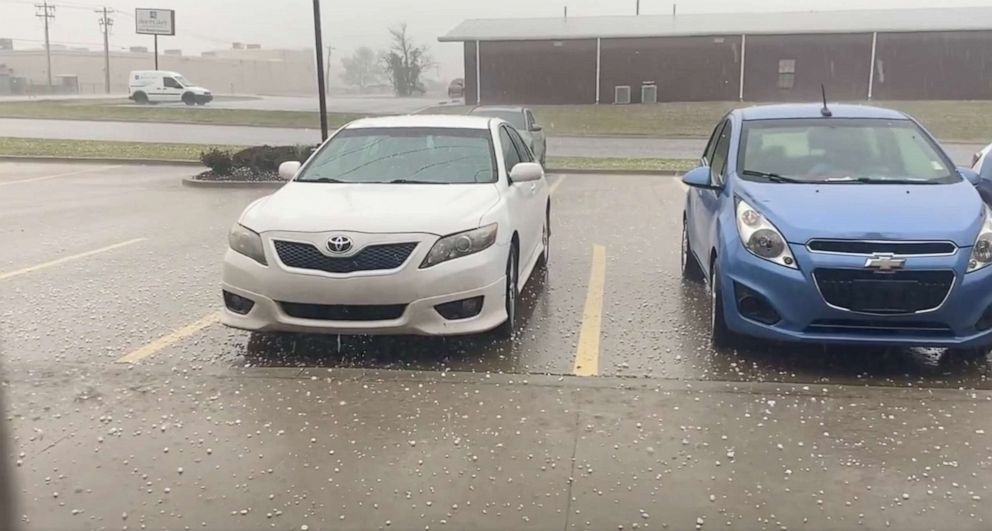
[405, 154]
[515, 118]
[185, 82]
[840, 151]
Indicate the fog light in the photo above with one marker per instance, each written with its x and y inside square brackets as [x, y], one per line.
[237, 304]
[753, 306]
[462, 309]
[985, 322]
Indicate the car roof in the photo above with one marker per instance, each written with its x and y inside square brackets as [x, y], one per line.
[499, 108]
[456, 121]
[812, 110]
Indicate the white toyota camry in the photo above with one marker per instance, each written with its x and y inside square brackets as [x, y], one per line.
[426, 225]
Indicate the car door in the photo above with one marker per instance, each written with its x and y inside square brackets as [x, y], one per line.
[540, 139]
[519, 197]
[172, 89]
[537, 200]
[710, 200]
[694, 208]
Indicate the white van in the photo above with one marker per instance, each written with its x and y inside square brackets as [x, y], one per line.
[161, 86]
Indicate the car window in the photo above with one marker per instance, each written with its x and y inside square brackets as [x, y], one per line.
[721, 150]
[842, 150]
[522, 149]
[711, 144]
[171, 83]
[510, 156]
[530, 120]
[412, 154]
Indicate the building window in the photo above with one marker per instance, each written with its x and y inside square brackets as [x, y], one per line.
[786, 73]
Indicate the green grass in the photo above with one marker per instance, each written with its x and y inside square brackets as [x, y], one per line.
[125, 111]
[962, 121]
[31, 147]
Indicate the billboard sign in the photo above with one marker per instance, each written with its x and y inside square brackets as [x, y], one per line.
[155, 21]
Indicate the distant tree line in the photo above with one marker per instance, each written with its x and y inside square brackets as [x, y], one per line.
[402, 65]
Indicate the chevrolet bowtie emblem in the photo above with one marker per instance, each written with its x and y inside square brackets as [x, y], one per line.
[885, 262]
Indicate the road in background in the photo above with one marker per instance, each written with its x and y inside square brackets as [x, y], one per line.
[621, 147]
[210, 428]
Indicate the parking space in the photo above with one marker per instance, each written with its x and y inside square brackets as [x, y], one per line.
[109, 296]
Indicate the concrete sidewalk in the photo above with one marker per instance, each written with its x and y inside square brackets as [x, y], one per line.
[351, 449]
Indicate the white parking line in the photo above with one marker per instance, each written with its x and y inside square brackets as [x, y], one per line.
[11, 274]
[169, 339]
[57, 175]
[554, 187]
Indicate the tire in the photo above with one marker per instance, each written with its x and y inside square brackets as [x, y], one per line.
[720, 335]
[141, 98]
[201, 102]
[511, 294]
[690, 265]
[189, 99]
[546, 241]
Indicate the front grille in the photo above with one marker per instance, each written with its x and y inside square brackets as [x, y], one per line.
[344, 312]
[880, 328]
[898, 292]
[371, 258]
[869, 247]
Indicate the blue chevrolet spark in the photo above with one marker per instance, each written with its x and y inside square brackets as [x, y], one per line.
[842, 224]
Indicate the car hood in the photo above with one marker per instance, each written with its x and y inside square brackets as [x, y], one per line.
[802, 212]
[378, 208]
[197, 89]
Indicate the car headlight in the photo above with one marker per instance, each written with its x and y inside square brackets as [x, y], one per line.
[981, 253]
[761, 238]
[460, 244]
[247, 242]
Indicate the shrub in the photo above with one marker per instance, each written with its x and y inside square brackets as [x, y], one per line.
[265, 158]
[220, 162]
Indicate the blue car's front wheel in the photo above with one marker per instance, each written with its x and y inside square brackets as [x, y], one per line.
[720, 335]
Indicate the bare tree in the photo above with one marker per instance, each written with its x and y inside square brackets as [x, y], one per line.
[362, 69]
[405, 62]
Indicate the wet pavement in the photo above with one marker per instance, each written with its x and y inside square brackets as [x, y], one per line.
[212, 429]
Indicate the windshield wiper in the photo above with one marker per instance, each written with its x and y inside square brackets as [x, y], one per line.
[321, 180]
[413, 181]
[772, 177]
[869, 180]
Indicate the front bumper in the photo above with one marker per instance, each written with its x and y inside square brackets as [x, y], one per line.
[420, 290]
[204, 98]
[802, 309]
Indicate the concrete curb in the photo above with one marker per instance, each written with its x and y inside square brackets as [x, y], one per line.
[101, 160]
[264, 185]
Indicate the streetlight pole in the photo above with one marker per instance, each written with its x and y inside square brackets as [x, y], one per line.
[319, 47]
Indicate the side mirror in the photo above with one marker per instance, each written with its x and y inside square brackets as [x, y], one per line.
[525, 172]
[700, 178]
[536, 128]
[288, 169]
[969, 175]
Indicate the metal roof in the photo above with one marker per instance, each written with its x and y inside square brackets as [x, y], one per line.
[853, 21]
[812, 110]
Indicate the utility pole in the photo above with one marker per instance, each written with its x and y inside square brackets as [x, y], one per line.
[327, 77]
[105, 24]
[638, 11]
[319, 48]
[46, 12]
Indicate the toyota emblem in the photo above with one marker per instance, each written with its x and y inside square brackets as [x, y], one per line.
[339, 244]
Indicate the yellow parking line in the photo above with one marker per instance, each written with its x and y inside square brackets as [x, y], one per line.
[587, 353]
[57, 175]
[169, 339]
[554, 187]
[11, 274]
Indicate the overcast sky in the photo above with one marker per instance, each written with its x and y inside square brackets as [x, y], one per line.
[348, 24]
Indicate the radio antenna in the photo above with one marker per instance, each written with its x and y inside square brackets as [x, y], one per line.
[825, 111]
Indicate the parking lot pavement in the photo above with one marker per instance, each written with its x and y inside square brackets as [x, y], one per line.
[205, 427]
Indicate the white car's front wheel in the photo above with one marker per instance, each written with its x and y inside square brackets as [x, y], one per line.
[508, 328]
